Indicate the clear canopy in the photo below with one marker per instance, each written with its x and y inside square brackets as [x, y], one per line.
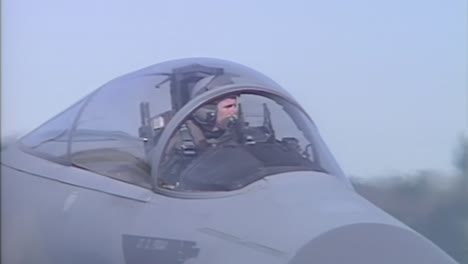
[163, 127]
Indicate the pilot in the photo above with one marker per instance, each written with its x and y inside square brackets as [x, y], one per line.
[212, 123]
[208, 126]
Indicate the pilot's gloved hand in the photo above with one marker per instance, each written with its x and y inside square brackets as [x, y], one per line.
[231, 130]
[228, 123]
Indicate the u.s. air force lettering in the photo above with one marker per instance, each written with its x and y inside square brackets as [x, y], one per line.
[156, 250]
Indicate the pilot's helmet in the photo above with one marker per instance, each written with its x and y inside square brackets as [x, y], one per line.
[206, 114]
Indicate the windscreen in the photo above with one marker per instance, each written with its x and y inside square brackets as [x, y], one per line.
[113, 130]
[52, 139]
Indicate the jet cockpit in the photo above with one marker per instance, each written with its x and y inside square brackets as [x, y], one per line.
[155, 128]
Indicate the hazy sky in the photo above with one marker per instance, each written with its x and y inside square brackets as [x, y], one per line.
[385, 81]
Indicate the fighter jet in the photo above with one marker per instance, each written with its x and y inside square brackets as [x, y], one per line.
[196, 161]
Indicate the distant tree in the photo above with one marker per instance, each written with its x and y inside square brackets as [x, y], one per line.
[461, 156]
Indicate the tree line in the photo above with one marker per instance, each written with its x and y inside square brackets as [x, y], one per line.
[434, 204]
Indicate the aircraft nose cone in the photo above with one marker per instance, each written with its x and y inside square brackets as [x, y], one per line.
[370, 243]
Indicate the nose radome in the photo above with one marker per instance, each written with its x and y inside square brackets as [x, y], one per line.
[370, 243]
